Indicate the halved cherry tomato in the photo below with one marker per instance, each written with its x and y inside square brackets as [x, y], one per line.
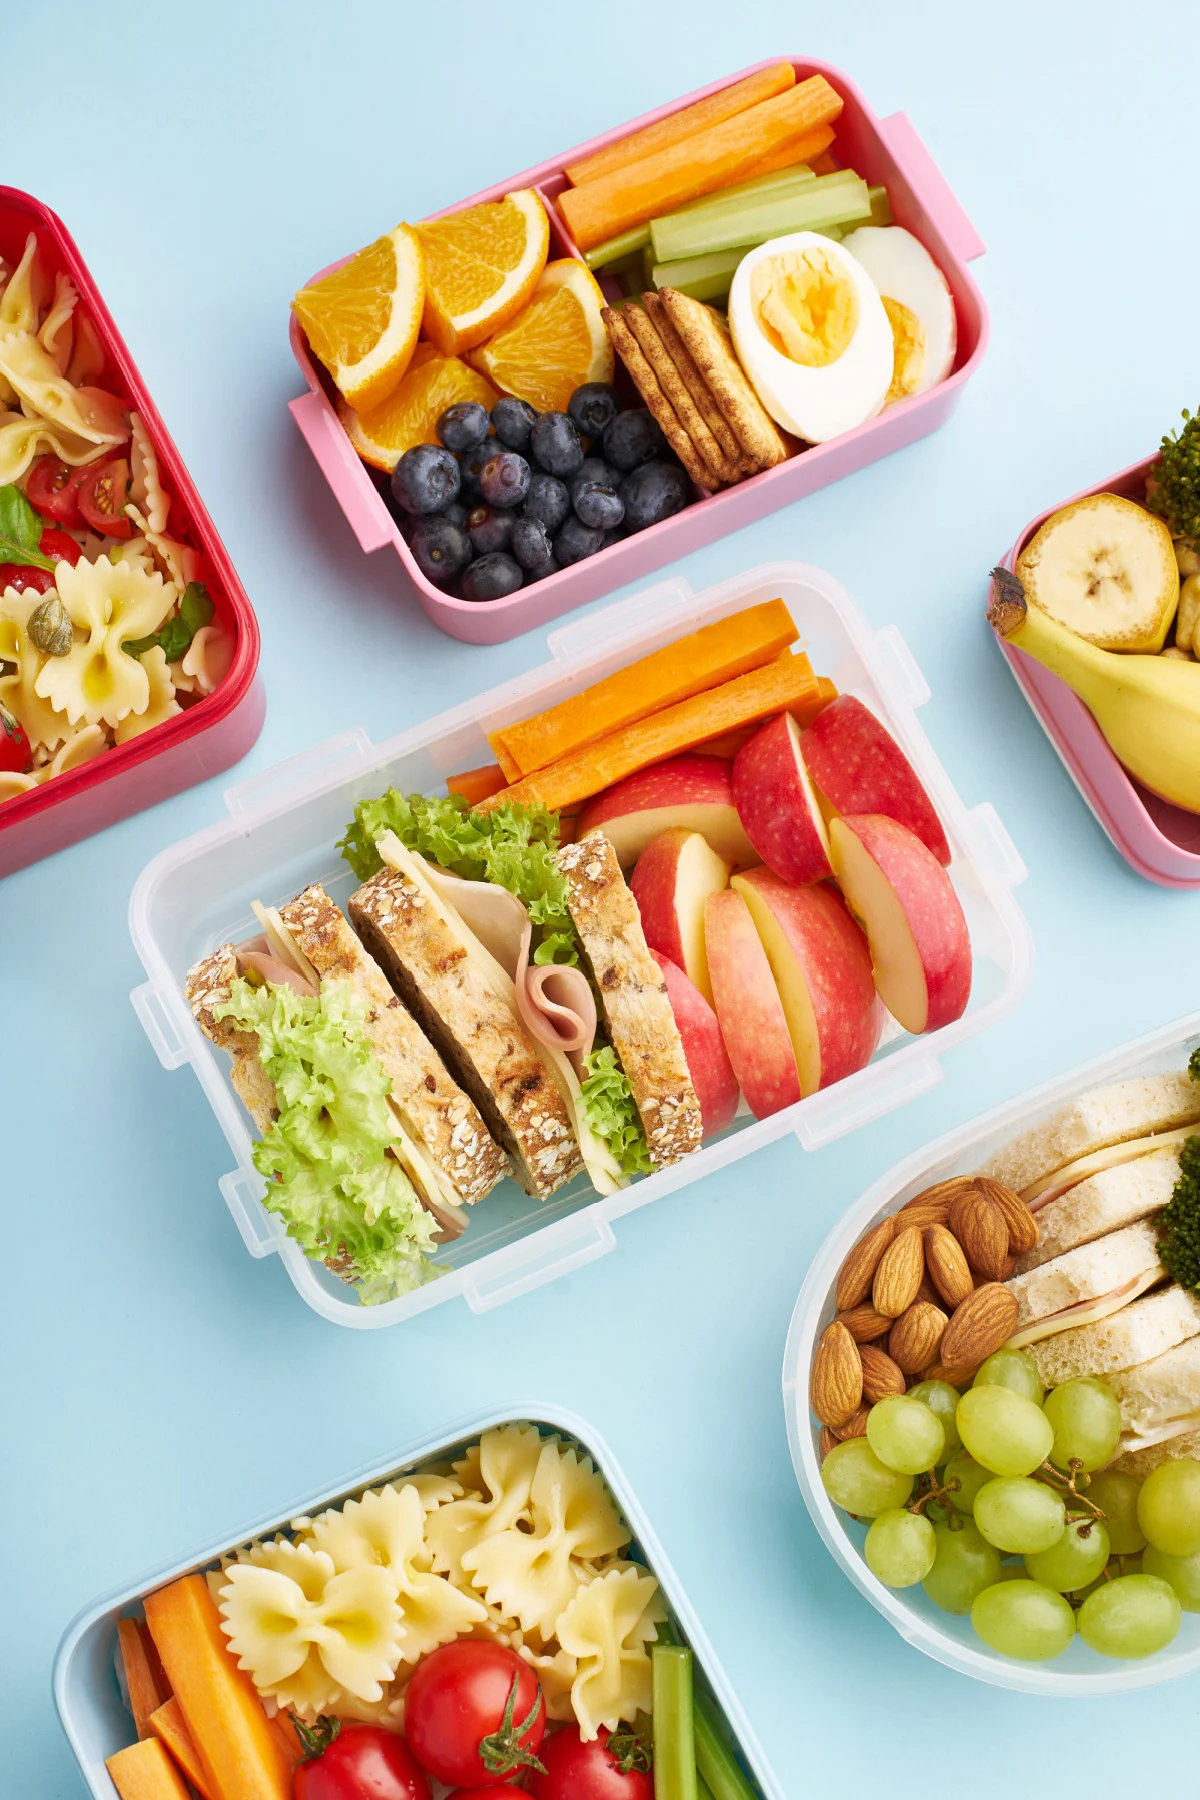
[51, 490]
[102, 490]
[576, 1770]
[357, 1762]
[15, 753]
[58, 546]
[474, 1714]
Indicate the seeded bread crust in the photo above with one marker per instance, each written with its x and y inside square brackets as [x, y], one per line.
[633, 997]
[444, 1119]
[207, 987]
[481, 1039]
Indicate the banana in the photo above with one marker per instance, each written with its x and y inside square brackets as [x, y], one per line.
[1106, 569]
[1187, 619]
[1148, 707]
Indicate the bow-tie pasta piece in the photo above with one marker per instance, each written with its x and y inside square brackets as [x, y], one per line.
[606, 1628]
[79, 749]
[45, 726]
[276, 1625]
[434, 1488]
[20, 302]
[502, 1471]
[145, 487]
[33, 374]
[162, 703]
[56, 333]
[557, 1674]
[97, 680]
[179, 560]
[22, 439]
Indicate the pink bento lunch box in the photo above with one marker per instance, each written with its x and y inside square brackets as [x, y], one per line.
[206, 737]
[884, 151]
[1160, 841]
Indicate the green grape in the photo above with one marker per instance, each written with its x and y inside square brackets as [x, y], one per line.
[970, 1477]
[1169, 1507]
[1077, 1558]
[1024, 1619]
[942, 1400]
[900, 1548]
[964, 1565]
[1013, 1369]
[1117, 1496]
[1086, 1421]
[856, 1480]
[1007, 1433]
[1019, 1515]
[1133, 1616]
[1182, 1572]
[905, 1434]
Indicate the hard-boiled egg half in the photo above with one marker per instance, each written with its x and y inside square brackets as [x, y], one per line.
[812, 335]
[917, 301]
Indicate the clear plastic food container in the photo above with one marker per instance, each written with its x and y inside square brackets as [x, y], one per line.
[947, 1637]
[281, 833]
[886, 151]
[85, 1684]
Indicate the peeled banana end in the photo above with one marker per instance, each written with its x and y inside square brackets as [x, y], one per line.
[1007, 607]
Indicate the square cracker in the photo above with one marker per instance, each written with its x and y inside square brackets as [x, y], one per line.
[714, 356]
[661, 410]
[672, 385]
[696, 385]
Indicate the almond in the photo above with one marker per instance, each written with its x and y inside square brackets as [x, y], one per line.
[957, 1378]
[855, 1427]
[864, 1324]
[983, 1323]
[980, 1229]
[936, 1199]
[1024, 1232]
[914, 1338]
[881, 1376]
[825, 1442]
[899, 1273]
[858, 1270]
[1010, 1263]
[836, 1386]
[947, 1265]
[921, 1217]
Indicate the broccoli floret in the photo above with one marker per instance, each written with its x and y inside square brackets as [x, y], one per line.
[1194, 1065]
[1174, 490]
[1179, 1221]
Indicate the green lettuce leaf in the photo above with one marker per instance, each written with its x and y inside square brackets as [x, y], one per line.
[610, 1112]
[328, 1175]
[513, 846]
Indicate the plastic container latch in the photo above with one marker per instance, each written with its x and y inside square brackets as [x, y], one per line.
[527, 1266]
[261, 1234]
[899, 670]
[930, 186]
[618, 622]
[865, 1097]
[992, 844]
[300, 775]
[158, 1026]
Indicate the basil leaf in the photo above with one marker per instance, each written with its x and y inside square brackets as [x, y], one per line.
[139, 646]
[195, 609]
[20, 531]
[175, 639]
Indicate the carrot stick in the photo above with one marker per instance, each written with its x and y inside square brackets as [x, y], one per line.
[812, 149]
[169, 1724]
[691, 665]
[630, 196]
[738, 97]
[145, 1694]
[825, 164]
[285, 1731]
[145, 1772]
[476, 784]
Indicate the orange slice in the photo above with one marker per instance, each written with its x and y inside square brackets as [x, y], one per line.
[481, 267]
[431, 383]
[362, 321]
[556, 344]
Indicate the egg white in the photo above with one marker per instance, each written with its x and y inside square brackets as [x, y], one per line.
[902, 268]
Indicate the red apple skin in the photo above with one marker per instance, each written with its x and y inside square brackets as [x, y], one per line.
[674, 874]
[931, 907]
[691, 790]
[703, 1047]
[831, 956]
[860, 768]
[748, 1007]
[776, 804]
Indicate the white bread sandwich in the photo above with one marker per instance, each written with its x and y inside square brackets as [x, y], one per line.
[1159, 1400]
[1139, 1332]
[1102, 1203]
[1086, 1284]
[1141, 1462]
[1124, 1113]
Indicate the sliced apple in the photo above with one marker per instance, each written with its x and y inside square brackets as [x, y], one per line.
[674, 876]
[920, 946]
[748, 1007]
[690, 790]
[859, 767]
[822, 969]
[777, 806]
[703, 1047]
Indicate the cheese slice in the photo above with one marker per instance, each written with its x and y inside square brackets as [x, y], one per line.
[1052, 1187]
[1157, 1434]
[1086, 1312]
[283, 945]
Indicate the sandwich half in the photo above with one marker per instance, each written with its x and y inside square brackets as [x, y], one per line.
[1159, 1400]
[1139, 1332]
[1086, 1284]
[1120, 1114]
[1105, 1202]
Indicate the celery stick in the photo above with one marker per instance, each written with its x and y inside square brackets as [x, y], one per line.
[714, 1759]
[797, 176]
[881, 206]
[700, 277]
[618, 247]
[830, 200]
[674, 1746]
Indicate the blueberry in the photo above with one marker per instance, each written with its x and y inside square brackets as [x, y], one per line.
[489, 529]
[554, 443]
[599, 506]
[471, 463]
[512, 421]
[575, 541]
[594, 468]
[548, 500]
[530, 542]
[592, 407]
[426, 479]
[633, 438]
[504, 479]
[441, 548]
[463, 426]
[615, 535]
[491, 577]
[652, 493]
[549, 567]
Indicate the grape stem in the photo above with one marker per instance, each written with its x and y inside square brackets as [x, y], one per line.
[1067, 1486]
[938, 1494]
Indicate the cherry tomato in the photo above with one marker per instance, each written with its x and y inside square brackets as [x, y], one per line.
[59, 546]
[506, 1787]
[50, 490]
[102, 492]
[54, 544]
[15, 753]
[474, 1714]
[357, 1762]
[593, 1771]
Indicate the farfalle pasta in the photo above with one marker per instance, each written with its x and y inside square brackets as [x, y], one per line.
[606, 1629]
[310, 1629]
[110, 605]
[497, 1477]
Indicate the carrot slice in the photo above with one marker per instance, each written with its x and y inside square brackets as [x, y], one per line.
[812, 149]
[702, 660]
[145, 1772]
[170, 1726]
[764, 84]
[476, 784]
[145, 1692]
[785, 685]
[613, 203]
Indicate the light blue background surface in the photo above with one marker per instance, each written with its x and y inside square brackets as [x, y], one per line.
[161, 1387]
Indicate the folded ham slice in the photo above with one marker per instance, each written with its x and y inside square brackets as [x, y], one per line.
[256, 954]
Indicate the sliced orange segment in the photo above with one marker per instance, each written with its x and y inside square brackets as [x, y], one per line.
[481, 267]
[556, 344]
[362, 321]
[431, 383]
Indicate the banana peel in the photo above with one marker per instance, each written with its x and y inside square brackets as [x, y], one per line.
[1148, 707]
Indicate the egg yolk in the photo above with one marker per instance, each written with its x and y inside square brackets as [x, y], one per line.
[804, 305]
[908, 350]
